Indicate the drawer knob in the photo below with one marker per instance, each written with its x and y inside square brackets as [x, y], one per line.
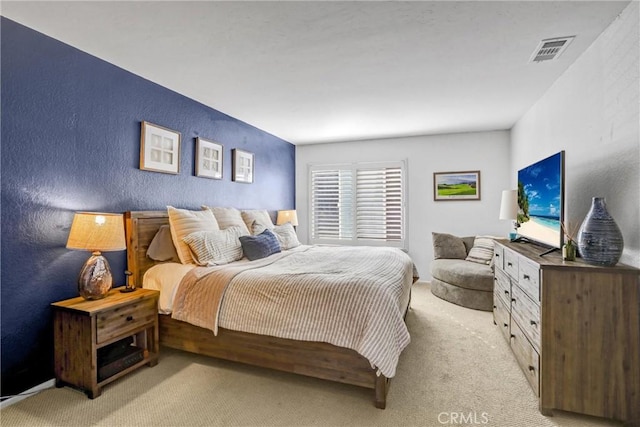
[513, 300]
[533, 323]
[497, 255]
[506, 325]
[531, 369]
[513, 336]
[129, 318]
[509, 264]
[526, 277]
[506, 292]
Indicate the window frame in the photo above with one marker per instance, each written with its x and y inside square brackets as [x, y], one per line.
[353, 167]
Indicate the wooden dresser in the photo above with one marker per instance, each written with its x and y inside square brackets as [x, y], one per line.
[574, 329]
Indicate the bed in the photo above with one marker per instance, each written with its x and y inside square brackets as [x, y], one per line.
[311, 358]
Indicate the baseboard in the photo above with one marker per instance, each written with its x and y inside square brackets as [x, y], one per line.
[33, 390]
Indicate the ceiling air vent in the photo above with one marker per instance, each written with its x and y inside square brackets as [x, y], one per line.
[549, 49]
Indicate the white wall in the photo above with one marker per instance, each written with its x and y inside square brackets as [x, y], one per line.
[592, 112]
[484, 151]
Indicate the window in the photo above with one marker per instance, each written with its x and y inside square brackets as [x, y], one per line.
[358, 203]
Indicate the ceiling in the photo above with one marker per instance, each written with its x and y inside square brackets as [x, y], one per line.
[324, 71]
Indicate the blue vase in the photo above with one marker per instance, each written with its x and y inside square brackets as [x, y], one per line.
[599, 238]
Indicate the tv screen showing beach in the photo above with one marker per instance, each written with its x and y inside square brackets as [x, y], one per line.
[540, 200]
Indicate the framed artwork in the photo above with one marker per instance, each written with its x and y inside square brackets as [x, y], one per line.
[242, 166]
[159, 149]
[208, 159]
[456, 185]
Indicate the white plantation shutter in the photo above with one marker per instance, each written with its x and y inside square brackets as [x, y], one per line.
[358, 203]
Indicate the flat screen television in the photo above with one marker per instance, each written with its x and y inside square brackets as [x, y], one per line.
[541, 201]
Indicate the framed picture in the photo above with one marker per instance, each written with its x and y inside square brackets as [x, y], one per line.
[456, 185]
[159, 149]
[208, 159]
[242, 166]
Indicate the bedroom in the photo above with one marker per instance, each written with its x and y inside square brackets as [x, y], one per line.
[76, 121]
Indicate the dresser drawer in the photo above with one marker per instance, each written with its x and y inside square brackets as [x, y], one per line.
[511, 263]
[120, 321]
[526, 313]
[529, 279]
[501, 316]
[498, 256]
[502, 287]
[527, 357]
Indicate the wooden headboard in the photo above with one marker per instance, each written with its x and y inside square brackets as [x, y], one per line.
[141, 227]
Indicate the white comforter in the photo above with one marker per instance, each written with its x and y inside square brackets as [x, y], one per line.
[351, 297]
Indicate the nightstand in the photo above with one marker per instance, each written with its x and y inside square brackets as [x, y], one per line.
[98, 341]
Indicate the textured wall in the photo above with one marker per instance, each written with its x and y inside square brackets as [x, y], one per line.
[71, 141]
[592, 113]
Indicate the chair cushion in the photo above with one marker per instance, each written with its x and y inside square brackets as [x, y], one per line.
[465, 274]
[448, 246]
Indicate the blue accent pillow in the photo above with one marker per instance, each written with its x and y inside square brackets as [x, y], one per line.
[260, 246]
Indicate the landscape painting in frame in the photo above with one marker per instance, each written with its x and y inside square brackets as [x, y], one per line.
[456, 185]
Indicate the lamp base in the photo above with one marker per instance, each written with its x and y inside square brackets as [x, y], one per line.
[95, 278]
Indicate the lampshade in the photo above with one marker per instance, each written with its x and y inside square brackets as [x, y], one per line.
[287, 216]
[96, 231]
[509, 204]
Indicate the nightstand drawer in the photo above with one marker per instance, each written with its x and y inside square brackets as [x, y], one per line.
[120, 321]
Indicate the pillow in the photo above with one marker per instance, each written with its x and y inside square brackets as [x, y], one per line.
[216, 247]
[184, 222]
[285, 234]
[260, 216]
[161, 247]
[228, 217]
[482, 250]
[260, 246]
[448, 246]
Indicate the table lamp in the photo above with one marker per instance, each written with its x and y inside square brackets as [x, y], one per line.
[96, 232]
[509, 209]
[287, 216]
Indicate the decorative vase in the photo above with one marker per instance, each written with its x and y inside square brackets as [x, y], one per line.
[599, 238]
[569, 251]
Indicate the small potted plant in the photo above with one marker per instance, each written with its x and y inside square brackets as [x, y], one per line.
[569, 248]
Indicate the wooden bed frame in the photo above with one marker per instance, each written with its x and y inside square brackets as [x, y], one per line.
[315, 359]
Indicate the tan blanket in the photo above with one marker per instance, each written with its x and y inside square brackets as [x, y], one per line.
[351, 297]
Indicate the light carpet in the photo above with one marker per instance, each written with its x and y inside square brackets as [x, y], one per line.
[458, 370]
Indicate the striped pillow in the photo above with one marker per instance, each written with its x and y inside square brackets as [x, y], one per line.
[228, 217]
[260, 246]
[183, 222]
[482, 250]
[259, 216]
[216, 247]
[285, 234]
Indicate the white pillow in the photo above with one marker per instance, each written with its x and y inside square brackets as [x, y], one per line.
[482, 250]
[216, 247]
[260, 216]
[183, 222]
[285, 234]
[228, 217]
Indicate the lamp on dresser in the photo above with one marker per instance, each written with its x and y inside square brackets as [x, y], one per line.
[96, 232]
[287, 216]
[509, 209]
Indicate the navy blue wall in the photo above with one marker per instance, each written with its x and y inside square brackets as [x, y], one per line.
[71, 141]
